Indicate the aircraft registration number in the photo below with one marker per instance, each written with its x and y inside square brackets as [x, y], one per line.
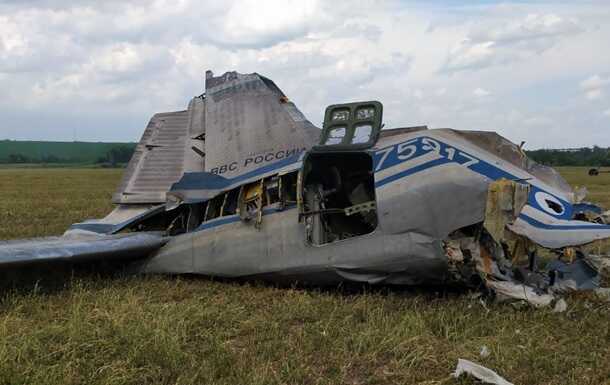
[417, 147]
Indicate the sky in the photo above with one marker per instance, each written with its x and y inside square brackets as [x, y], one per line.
[537, 71]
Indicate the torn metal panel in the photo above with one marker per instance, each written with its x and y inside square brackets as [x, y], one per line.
[119, 219]
[554, 233]
[578, 275]
[510, 152]
[507, 290]
[505, 200]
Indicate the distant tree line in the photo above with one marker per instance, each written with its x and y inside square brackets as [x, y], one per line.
[596, 156]
[116, 156]
[121, 154]
[21, 158]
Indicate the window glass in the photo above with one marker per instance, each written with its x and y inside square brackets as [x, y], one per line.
[362, 134]
[340, 115]
[365, 113]
[336, 135]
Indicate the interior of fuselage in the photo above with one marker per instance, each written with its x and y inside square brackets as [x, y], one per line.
[248, 201]
[338, 196]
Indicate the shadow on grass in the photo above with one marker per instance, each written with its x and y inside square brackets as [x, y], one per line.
[52, 278]
[56, 277]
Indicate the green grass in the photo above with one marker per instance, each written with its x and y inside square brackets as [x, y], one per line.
[598, 186]
[164, 330]
[40, 202]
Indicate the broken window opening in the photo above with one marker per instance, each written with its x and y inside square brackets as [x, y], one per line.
[556, 207]
[196, 214]
[229, 206]
[251, 200]
[214, 207]
[171, 222]
[272, 190]
[288, 189]
[339, 196]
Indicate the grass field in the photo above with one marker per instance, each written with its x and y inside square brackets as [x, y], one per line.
[163, 330]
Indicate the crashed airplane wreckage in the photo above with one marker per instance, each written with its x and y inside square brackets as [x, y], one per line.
[241, 184]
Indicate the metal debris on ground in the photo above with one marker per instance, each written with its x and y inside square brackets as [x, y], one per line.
[479, 372]
[560, 306]
[484, 353]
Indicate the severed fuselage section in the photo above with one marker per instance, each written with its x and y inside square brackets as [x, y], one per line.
[241, 184]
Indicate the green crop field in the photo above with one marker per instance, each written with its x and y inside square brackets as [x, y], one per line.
[189, 330]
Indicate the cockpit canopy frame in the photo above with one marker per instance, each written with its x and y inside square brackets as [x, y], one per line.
[351, 126]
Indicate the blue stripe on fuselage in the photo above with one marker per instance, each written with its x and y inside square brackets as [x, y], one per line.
[415, 148]
[544, 226]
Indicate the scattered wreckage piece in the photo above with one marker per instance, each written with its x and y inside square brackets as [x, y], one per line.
[241, 184]
[479, 372]
[596, 171]
[507, 262]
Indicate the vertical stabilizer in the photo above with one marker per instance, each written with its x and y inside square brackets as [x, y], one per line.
[251, 123]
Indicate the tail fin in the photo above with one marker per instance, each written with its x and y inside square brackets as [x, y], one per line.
[242, 122]
[251, 123]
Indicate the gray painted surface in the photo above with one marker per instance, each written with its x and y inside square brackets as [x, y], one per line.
[250, 123]
[163, 155]
[80, 248]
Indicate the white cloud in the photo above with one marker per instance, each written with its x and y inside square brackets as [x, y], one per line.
[594, 86]
[481, 92]
[594, 94]
[594, 82]
[532, 27]
[607, 112]
[105, 67]
[250, 22]
[538, 121]
[503, 41]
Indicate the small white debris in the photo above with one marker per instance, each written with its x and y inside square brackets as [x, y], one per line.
[603, 293]
[484, 352]
[506, 290]
[560, 306]
[481, 373]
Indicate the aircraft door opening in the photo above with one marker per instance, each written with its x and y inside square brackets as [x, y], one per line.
[338, 196]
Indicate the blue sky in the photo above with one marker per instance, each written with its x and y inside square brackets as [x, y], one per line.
[534, 71]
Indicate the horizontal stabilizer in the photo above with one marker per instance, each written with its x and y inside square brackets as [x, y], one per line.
[80, 248]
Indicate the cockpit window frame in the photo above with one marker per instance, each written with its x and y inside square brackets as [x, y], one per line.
[350, 122]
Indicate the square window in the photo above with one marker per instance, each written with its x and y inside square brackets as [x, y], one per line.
[340, 115]
[365, 113]
[336, 135]
[362, 133]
